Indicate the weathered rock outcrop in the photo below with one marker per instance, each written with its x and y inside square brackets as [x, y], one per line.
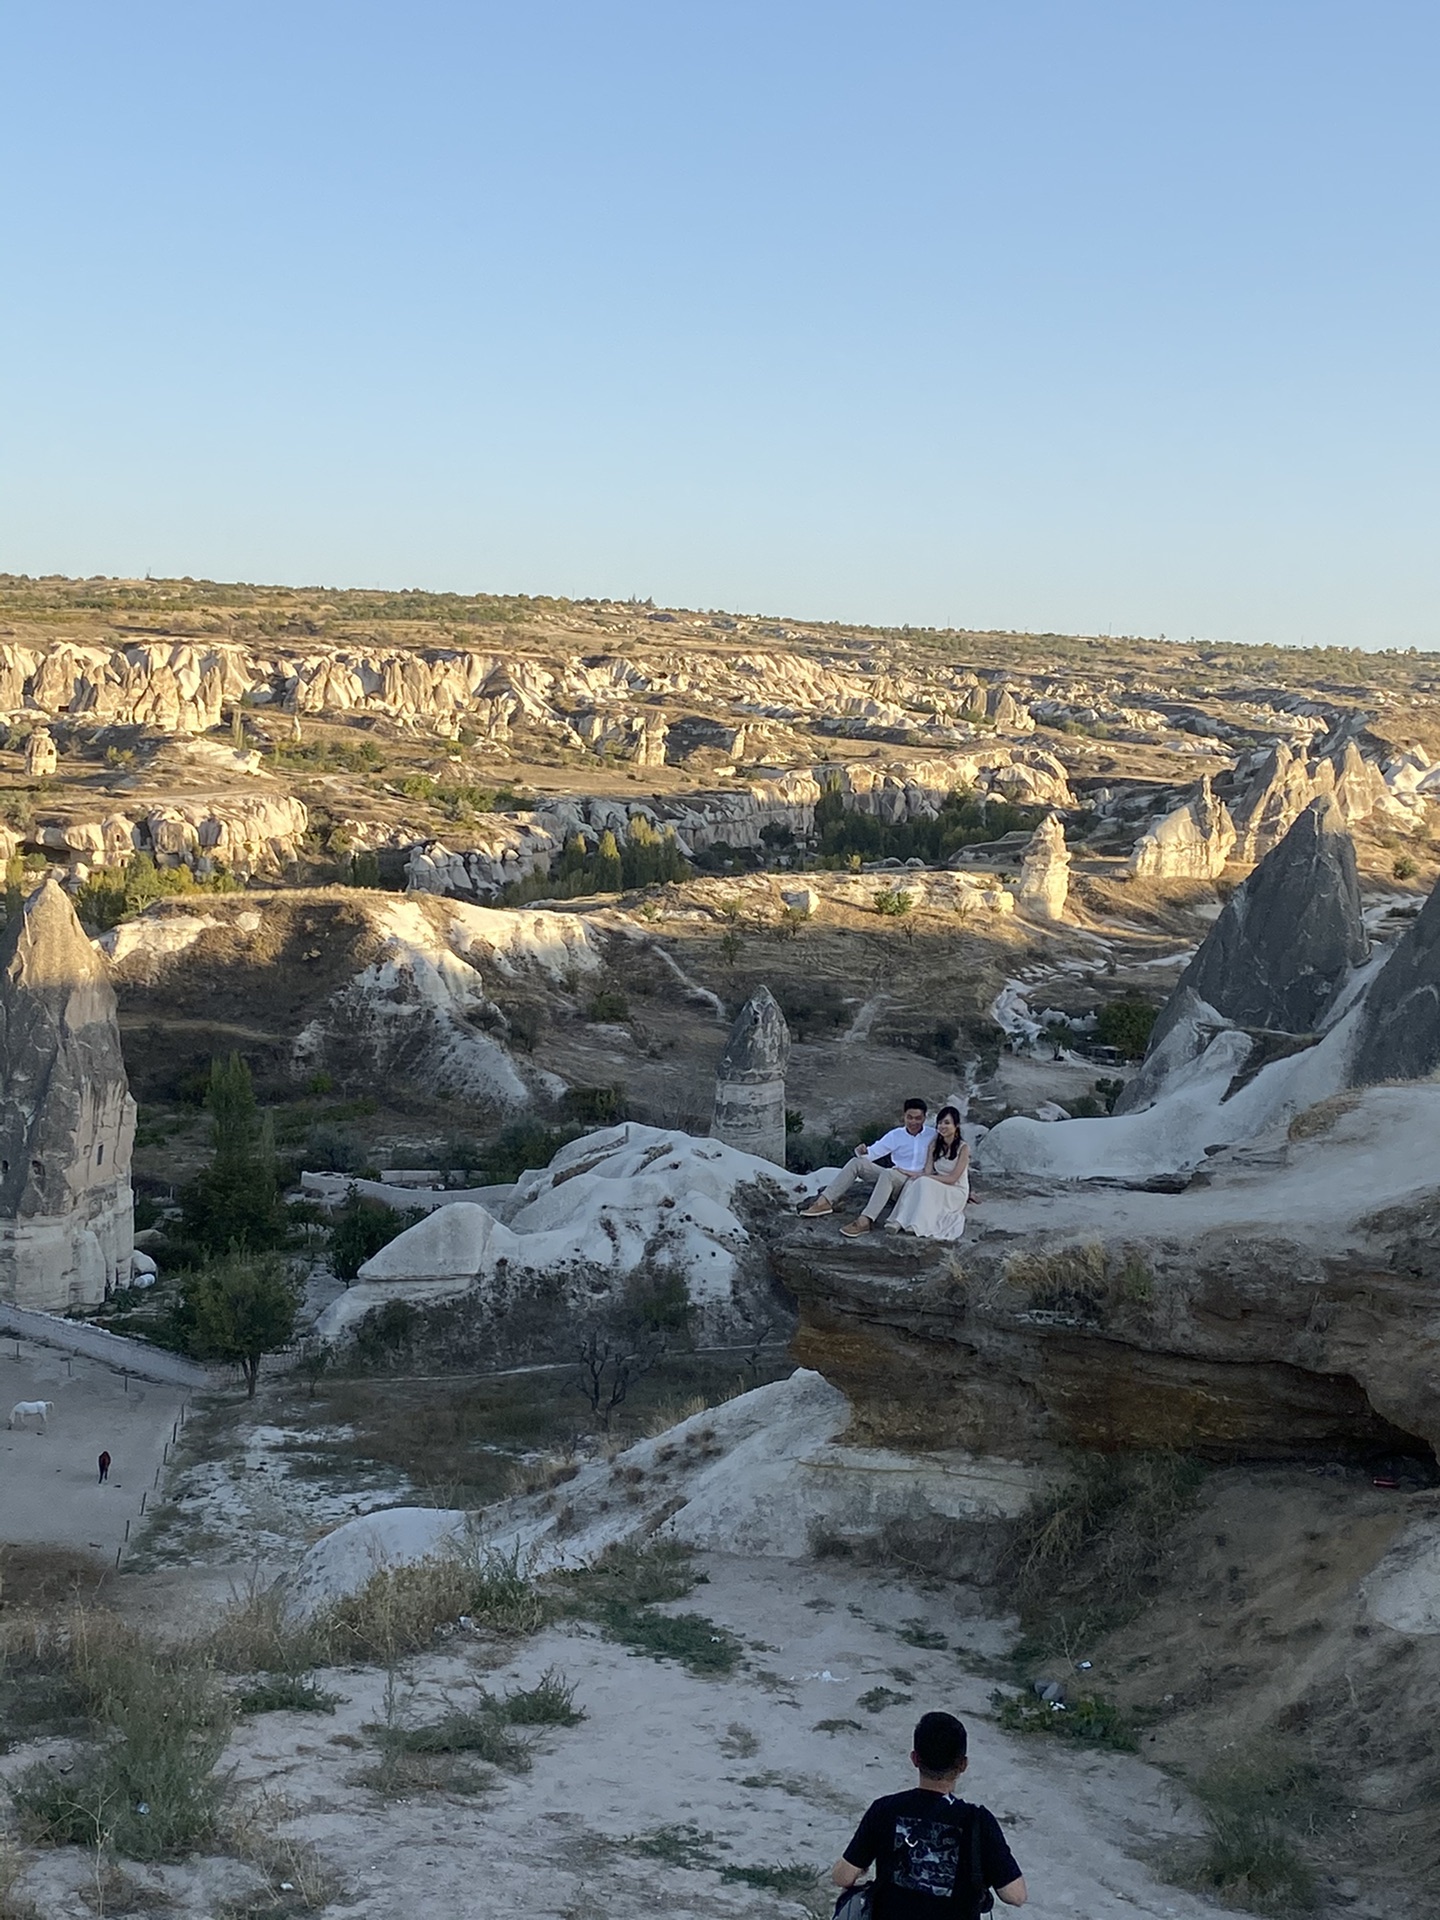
[508, 847]
[183, 686]
[41, 756]
[67, 1121]
[247, 834]
[514, 1276]
[1192, 843]
[1285, 782]
[1399, 1033]
[750, 1081]
[1285, 942]
[1217, 1324]
[1045, 872]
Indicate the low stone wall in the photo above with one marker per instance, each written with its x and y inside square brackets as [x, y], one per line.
[112, 1349]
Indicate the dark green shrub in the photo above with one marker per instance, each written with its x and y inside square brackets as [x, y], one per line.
[1125, 1024]
[285, 1693]
[361, 1228]
[1090, 1719]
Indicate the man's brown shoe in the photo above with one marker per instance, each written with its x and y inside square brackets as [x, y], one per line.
[816, 1208]
[857, 1227]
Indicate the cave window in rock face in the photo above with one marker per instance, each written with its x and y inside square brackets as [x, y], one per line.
[37, 1167]
[100, 1155]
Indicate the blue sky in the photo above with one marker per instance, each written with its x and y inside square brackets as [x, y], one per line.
[1099, 317]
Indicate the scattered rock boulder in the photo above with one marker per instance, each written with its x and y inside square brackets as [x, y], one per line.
[750, 1081]
[67, 1122]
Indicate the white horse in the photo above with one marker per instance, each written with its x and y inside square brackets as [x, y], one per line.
[24, 1410]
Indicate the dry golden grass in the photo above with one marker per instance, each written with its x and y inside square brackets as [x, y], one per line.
[1321, 1118]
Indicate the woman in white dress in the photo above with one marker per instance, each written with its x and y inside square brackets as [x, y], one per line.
[933, 1203]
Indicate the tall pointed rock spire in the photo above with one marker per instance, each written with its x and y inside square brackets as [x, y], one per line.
[67, 1122]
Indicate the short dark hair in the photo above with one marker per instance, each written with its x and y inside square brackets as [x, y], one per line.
[939, 1744]
[914, 1103]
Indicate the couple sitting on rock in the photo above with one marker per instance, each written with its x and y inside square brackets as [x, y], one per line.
[925, 1170]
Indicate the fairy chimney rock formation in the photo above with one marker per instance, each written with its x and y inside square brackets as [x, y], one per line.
[1192, 843]
[1399, 1036]
[1045, 871]
[750, 1081]
[67, 1121]
[1278, 954]
[41, 754]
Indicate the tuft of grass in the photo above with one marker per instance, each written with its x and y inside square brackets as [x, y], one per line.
[623, 1588]
[478, 1733]
[543, 1472]
[549, 1703]
[285, 1693]
[1086, 1556]
[629, 1576]
[790, 1876]
[400, 1610]
[299, 1880]
[147, 1789]
[838, 1726]
[915, 1633]
[253, 1636]
[397, 1775]
[112, 1890]
[1257, 1808]
[679, 1846]
[739, 1743]
[687, 1638]
[1091, 1719]
[878, 1698]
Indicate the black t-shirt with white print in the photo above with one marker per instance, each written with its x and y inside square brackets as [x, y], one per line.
[921, 1847]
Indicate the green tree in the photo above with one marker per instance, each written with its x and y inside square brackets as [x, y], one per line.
[609, 873]
[239, 1309]
[113, 894]
[234, 1203]
[1125, 1025]
[640, 859]
[361, 1228]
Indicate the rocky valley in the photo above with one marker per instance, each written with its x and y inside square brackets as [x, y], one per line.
[492, 981]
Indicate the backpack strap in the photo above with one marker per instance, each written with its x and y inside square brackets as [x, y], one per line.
[982, 1899]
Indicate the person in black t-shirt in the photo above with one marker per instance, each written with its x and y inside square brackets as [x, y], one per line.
[935, 1857]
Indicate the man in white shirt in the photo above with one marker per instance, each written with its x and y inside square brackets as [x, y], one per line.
[907, 1148]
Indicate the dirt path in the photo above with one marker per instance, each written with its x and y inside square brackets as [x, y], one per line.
[49, 1486]
[671, 1779]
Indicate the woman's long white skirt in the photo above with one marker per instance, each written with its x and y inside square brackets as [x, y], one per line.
[932, 1208]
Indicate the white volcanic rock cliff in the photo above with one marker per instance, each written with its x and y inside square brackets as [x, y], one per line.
[67, 1122]
[1045, 872]
[1192, 843]
[626, 1199]
[511, 846]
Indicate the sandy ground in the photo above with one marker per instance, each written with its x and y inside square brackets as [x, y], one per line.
[737, 1762]
[49, 1486]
